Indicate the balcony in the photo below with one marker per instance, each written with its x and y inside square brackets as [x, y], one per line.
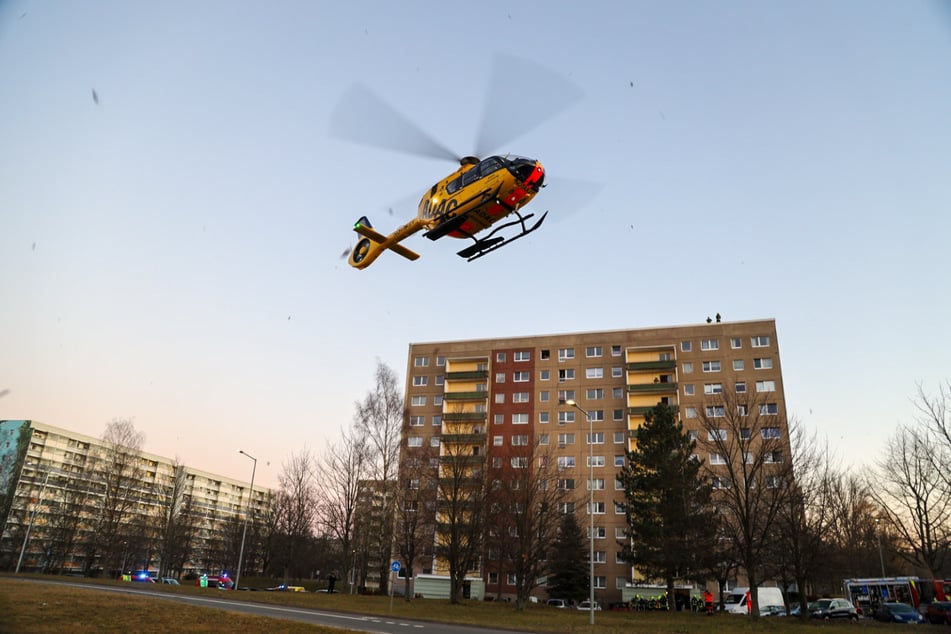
[462, 460]
[637, 366]
[467, 375]
[652, 388]
[465, 396]
[473, 438]
[464, 417]
[640, 411]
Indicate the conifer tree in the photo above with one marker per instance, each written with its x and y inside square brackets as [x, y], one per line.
[567, 562]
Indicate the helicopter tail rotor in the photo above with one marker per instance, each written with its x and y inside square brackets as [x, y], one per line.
[372, 244]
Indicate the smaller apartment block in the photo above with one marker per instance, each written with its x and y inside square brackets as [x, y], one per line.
[483, 397]
[52, 481]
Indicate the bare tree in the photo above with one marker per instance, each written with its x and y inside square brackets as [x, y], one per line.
[343, 468]
[934, 414]
[116, 476]
[415, 510]
[460, 513]
[523, 501]
[177, 521]
[854, 533]
[746, 439]
[295, 509]
[914, 499]
[379, 420]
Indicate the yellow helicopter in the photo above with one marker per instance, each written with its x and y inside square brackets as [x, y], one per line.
[481, 192]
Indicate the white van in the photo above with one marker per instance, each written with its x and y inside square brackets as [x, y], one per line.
[738, 601]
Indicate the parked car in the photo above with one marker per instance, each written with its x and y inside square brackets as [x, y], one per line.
[170, 581]
[283, 588]
[833, 609]
[142, 576]
[586, 606]
[938, 612]
[222, 582]
[557, 603]
[773, 610]
[898, 613]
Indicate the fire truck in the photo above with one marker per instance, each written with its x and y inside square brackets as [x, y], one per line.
[868, 594]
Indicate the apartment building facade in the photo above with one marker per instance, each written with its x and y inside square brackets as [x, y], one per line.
[581, 397]
[52, 485]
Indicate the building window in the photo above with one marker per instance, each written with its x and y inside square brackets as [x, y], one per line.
[717, 458]
[566, 417]
[421, 362]
[498, 441]
[566, 439]
[566, 353]
[711, 366]
[594, 393]
[595, 461]
[520, 419]
[500, 377]
[742, 410]
[594, 373]
[600, 582]
[715, 411]
[688, 389]
[720, 483]
[617, 372]
[520, 397]
[418, 401]
[520, 377]
[690, 412]
[440, 379]
[593, 351]
[500, 357]
[766, 386]
[615, 351]
[566, 462]
[437, 400]
[441, 361]
[598, 508]
[597, 438]
[763, 363]
[542, 439]
[523, 355]
[688, 368]
[544, 375]
[685, 346]
[545, 355]
[736, 343]
[520, 440]
[498, 419]
[414, 441]
[566, 484]
[618, 437]
[773, 457]
[713, 388]
[618, 415]
[543, 396]
[716, 434]
[437, 421]
[416, 421]
[566, 507]
[709, 344]
[434, 441]
[761, 341]
[519, 462]
[420, 380]
[599, 532]
[770, 433]
[738, 365]
[543, 418]
[618, 461]
[566, 374]
[500, 397]
[740, 387]
[597, 484]
[617, 392]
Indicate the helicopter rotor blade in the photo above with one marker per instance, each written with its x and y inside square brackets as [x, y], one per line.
[363, 117]
[521, 95]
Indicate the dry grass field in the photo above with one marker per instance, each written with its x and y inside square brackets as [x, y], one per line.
[27, 607]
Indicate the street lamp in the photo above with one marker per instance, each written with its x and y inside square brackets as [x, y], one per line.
[244, 533]
[878, 537]
[572, 403]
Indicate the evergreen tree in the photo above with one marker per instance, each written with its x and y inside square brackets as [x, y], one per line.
[568, 562]
[666, 501]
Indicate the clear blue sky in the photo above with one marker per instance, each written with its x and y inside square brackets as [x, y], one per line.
[171, 254]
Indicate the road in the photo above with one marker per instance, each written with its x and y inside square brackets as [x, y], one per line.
[370, 623]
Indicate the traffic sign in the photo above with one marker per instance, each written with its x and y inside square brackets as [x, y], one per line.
[395, 566]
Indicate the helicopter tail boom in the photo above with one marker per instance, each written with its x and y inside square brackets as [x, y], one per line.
[372, 244]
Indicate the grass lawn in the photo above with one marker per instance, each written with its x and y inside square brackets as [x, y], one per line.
[40, 608]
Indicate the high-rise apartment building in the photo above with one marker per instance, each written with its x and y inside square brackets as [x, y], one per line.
[57, 486]
[492, 394]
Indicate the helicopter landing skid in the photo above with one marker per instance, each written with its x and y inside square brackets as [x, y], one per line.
[489, 243]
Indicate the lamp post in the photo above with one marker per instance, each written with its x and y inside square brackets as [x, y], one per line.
[29, 527]
[572, 403]
[878, 537]
[244, 533]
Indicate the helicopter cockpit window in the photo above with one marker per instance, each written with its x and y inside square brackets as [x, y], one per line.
[471, 176]
[489, 165]
[454, 185]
